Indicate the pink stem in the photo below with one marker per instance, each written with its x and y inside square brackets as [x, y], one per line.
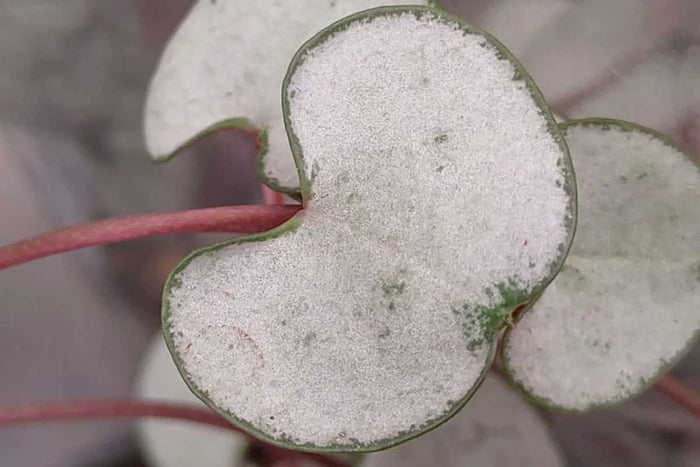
[114, 409]
[239, 219]
[272, 197]
[679, 393]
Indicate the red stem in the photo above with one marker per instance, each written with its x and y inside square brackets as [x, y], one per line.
[113, 409]
[679, 393]
[239, 219]
[272, 197]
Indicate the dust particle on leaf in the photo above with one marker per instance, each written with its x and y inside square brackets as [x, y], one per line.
[441, 139]
[309, 338]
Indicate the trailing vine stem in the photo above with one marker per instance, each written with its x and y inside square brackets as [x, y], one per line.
[238, 219]
[234, 219]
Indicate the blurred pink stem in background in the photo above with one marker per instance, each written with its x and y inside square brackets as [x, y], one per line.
[679, 393]
[114, 409]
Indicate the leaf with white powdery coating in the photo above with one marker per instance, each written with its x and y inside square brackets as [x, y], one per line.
[178, 443]
[223, 68]
[497, 428]
[624, 307]
[439, 196]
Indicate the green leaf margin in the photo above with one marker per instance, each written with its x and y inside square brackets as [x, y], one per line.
[237, 123]
[512, 298]
[243, 123]
[539, 412]
[295, 192]
[624, 126]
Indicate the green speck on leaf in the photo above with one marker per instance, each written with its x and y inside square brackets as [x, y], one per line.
[309, 338]
[394, 288]
[483, 322]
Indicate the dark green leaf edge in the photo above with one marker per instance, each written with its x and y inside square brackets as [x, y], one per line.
[243, 123]
[539, 413]
[646, 383]
[290, 226]
[233, 123]
[142, 444]
[495, 319]
[238, 123]
[295, 191]
[507, 290]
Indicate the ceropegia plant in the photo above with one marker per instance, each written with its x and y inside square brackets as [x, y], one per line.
[224, 68]
[181, 443]
[625, 305]
[497, 428]
[438, 197]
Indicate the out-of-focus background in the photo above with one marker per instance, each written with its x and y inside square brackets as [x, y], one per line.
[73, 76]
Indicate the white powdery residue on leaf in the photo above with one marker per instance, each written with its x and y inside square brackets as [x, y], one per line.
[176, 443]
[625, 304]
[435, 178]
[227, 60]
[436, 135]
[638, 196]
[497, 429]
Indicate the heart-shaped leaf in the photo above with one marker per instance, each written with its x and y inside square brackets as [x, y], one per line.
[625, 305]
[438, 195]
[224, 68]
[497, 428]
